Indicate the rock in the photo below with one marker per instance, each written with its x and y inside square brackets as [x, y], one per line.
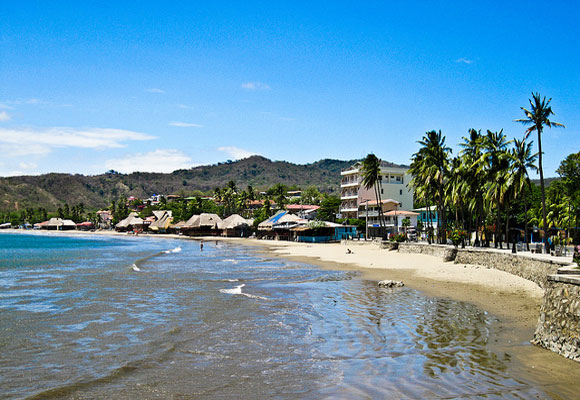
[389, 284]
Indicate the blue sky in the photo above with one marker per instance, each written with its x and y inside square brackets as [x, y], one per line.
[151, 86]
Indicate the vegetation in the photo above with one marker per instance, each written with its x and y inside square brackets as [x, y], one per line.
[486, 189]
[537, 117]
[371, 172]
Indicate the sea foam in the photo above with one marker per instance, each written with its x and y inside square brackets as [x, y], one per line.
[238, 290]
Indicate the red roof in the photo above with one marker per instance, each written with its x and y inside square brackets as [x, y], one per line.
[301, 207]
[86, 223]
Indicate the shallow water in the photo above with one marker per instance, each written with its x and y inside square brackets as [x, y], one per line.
[102, 317]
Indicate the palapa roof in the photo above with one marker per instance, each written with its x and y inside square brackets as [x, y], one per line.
[233, 221]
[132, 220]
[163, 222]
[281, 218]
[204, 220]
[60, 222]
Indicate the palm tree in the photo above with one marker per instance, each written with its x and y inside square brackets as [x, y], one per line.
[371, 172]
[496, 160]
[523, 160]
[435, 168]
[537, 118]
[474, 178]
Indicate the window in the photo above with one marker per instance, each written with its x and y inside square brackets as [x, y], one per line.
[401, 192]
[382, 191]
[398, 179]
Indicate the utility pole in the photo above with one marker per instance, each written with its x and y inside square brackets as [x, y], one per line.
[367, 218]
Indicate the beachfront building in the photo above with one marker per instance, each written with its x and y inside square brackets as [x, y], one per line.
[393, 187]
[428, 216]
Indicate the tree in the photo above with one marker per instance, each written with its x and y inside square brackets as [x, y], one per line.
[538, 117]
[474, 179]
[371, 172]
[497, 161]
[522, 161]
[430, 168]
[569, 171]
[406, 222]
[329, 207]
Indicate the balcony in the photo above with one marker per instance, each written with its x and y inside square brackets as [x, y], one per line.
[348, 209]
[349, 196]
[347, 184]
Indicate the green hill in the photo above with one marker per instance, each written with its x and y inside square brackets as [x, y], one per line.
[53, 190]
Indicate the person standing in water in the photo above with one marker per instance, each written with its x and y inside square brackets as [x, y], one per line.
[201, 245]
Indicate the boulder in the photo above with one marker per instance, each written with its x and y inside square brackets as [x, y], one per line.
[389, 284]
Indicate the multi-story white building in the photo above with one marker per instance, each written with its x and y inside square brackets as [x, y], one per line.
[393, 186]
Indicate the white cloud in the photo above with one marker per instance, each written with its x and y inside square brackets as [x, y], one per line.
[155, 90]
[155, 161]
[4, 116]
[28, 141]
[255, 86]
[185, 124]
[27, 166]
[236, 152]
[464, 61]
[185, 107]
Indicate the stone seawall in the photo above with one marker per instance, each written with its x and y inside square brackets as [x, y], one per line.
[533, 269]
[447, 253]
[529, 268]
[558, 328]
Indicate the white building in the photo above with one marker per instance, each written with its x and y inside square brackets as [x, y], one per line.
[393, 185]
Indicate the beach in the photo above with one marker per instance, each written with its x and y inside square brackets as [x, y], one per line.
[513, 300]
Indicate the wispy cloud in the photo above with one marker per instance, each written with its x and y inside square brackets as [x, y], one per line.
[185, 107]
[236, 153]
[185, 124]
[4, 116]
[255, 86]
[28, 141]
[463, 60]
[155, 161]
[155, 90]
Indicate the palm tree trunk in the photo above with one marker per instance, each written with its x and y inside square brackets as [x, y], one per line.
[539, 129]
[526, 223]
[497, 238]
[507, 226]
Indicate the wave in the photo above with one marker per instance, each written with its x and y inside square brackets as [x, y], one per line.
[230, 260]
[139, 263]
[238, 291]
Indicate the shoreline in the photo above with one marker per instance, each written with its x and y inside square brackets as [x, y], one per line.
[515, 301]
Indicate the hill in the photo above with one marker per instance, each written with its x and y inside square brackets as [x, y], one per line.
[53, 190]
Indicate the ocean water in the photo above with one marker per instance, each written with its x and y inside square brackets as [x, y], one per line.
[109, 317]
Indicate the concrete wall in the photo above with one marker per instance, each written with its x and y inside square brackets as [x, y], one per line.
[558, 328]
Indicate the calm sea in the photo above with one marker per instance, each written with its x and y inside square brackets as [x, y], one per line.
[108, 317]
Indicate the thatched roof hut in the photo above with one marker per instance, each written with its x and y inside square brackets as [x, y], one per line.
[281, 219]
[233, 221]
[163, 219]
[60, 224]
[132, 221]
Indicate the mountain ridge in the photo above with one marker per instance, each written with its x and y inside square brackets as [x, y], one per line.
[52, 190]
